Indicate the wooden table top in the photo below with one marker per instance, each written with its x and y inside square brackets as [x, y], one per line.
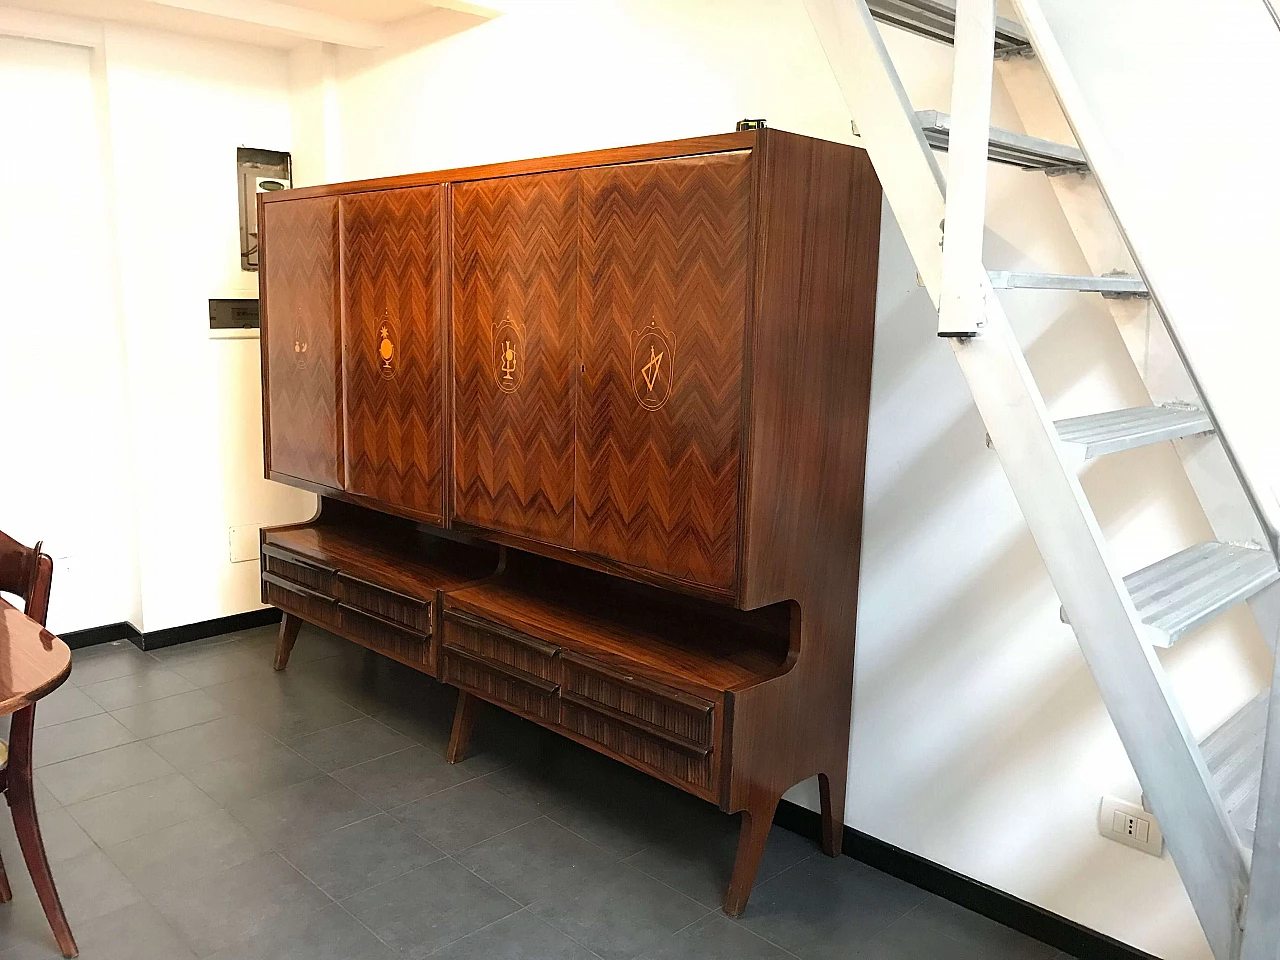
[33, 662]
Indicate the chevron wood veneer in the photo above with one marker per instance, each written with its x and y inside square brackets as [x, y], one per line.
[644, 375]
[664, 245]
[515, 288]
[301, 357]
[391, 346]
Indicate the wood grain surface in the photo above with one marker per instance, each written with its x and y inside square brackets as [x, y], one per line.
[301, 360]
[692, 645]
[393, 555]
[392, 348]
[665, 254]
[33, 662]
[515, 348]
[817, 257]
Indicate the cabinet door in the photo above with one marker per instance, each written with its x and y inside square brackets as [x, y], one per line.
[664, 303]
[391, 348]
[300, 340]
[515, 349]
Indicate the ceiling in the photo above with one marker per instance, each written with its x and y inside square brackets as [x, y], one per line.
[273, 23]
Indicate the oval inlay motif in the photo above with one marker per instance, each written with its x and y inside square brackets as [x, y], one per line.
[508, 357]
[388, 348]
[652, 367]
[301, 345]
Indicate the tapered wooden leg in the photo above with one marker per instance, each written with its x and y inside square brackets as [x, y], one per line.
[6, 892]
[289, 627]
[23, 806]
[464, 718]
[753, 834]
[831, 790]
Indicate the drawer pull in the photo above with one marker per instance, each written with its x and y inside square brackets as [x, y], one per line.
[475, 623]
[377, 587]
[685, 700]
[545, 686]
[389, 624]
[298, 588]
[680, 743]
[273, 551]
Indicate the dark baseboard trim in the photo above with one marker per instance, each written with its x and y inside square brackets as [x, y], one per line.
[108, 633]
[1035, 922]
[156, 639]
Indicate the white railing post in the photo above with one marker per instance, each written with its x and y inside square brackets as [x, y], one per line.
[961, 310]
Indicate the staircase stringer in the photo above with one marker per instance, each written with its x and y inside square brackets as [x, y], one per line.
[1262, 914]
[1131, 680]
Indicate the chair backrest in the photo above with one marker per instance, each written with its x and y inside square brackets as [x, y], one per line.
[28, 573]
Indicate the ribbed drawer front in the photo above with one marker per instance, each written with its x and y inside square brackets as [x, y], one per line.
[525, 694]
[287, 566]
[380, 634]
[682, 763]
[685, 717]
[308, 604]
[500, 646]
[387, 604]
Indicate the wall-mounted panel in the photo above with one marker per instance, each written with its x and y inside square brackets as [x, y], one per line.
[392, 348]
[515, 348]
[301, 340]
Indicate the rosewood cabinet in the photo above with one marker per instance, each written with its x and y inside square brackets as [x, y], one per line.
[302, 421]
[590, 434]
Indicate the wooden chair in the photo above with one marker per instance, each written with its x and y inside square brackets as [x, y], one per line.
[28, 573]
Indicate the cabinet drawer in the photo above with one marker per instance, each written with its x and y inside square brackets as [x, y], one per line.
[522, 692]
[310, 605]
[290, 566]
[678, 759]
[399, 608]
[659, 710]
[385, 635]
[502, 647]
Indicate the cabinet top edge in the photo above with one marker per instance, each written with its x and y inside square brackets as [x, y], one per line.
[714, 143]
[668, 149]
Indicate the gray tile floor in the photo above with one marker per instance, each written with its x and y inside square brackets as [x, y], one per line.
[198, 804]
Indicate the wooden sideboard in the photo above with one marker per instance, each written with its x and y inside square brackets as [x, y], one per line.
[590, 435]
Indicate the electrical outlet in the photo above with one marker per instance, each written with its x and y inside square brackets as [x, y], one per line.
[1130, 824]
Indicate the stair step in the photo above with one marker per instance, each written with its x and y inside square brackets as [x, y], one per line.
[1015, 149]
[1180, 593]
[1115, 285]
[936, 19]
[1099, 434]
[1233, 753]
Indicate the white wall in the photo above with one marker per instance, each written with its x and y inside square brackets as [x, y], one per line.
[179, 107]
[67, 472]
[978, 737]
[150, 446]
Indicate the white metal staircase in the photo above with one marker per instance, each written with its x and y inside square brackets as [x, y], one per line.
[1218, 801]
